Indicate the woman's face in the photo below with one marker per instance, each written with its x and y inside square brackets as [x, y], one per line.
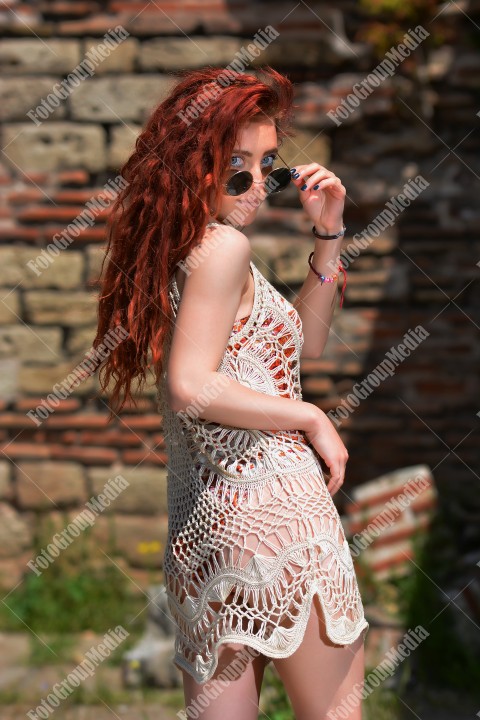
[255, 151]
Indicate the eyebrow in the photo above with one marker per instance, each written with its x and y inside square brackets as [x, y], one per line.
[249, 154]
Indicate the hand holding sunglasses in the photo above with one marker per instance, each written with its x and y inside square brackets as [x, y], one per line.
[322, 195]
[325, 207]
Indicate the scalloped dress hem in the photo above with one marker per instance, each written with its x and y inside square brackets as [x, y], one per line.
[298, 630]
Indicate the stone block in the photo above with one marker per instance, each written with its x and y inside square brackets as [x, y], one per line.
[305, 147]
[94, 257]
[124, 98]
[168, 53]
[54, 146]
[146, 493]
[28, 344]
[19, 95]
[6, 491]
[122, 144]
[32, 268]
[15, 532]
[120, 60]
[47, 307]
[42, 380]
[12, 572]
[9, 380]
[141, 540]
[49, 485]
[80, 339]
[38, 55]
[9, 307]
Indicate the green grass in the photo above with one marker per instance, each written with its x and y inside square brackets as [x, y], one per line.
[80, 590]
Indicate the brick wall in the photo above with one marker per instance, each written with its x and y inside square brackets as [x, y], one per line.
[420, 270]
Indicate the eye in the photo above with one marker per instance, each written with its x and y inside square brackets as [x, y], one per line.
[235, 157]
[271, 158]
[270, 162]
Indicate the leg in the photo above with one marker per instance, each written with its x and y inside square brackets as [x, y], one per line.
[320, 675]
[242, 668]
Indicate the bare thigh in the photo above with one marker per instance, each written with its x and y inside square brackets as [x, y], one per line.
[319, 675]
[233, 692]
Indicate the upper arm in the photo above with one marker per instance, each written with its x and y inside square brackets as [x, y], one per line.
[210, 299]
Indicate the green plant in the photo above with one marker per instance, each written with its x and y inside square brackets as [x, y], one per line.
[56, 649]
[442, 659]
[386, 22]
[81, 589]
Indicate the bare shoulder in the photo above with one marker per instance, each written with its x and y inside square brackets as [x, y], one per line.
[221, 261]
[222, 249]
[227, 239]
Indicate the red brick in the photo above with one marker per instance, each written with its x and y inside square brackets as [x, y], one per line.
[19, 233]
[135, 457]
[82, 420]
[317, 385]
[15, 420]
[30, 403]
[64, 8]
[20, 197]
[15, 450]
[144, 405]
[36, 178]
[142, 422]
[90, 234]
[441, 388]
[73, 177]
[399, 558]
[107, 439]
[383, 497]
[73, 196]
[311, 366]
[46, 213]
[96, 25]
[84, 455]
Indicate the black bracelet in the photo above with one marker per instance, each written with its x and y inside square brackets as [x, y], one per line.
[328, 237]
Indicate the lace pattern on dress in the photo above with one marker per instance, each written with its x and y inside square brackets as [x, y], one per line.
[253, 532]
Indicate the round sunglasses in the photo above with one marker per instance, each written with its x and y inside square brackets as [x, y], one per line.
[276, 181]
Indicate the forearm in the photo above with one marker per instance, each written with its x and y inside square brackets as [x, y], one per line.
[315, 301]
[224, 400]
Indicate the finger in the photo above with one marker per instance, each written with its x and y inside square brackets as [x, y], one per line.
[333, 486]
[339, 477]
[334, 183]
[334, 477]
[302, 171]
[314, 179]
[311, 176]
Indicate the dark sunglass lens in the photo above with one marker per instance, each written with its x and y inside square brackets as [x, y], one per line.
[278, 180]
[239, 183]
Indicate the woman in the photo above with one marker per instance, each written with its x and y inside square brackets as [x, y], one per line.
[257, 567]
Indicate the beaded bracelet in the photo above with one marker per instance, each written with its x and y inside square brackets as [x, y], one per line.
[331, 278]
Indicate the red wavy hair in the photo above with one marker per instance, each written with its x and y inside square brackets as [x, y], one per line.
[161, 214]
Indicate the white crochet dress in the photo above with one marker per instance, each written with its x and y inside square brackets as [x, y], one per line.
[253, 532]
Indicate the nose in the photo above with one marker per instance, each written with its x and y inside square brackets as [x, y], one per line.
[258, 175]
